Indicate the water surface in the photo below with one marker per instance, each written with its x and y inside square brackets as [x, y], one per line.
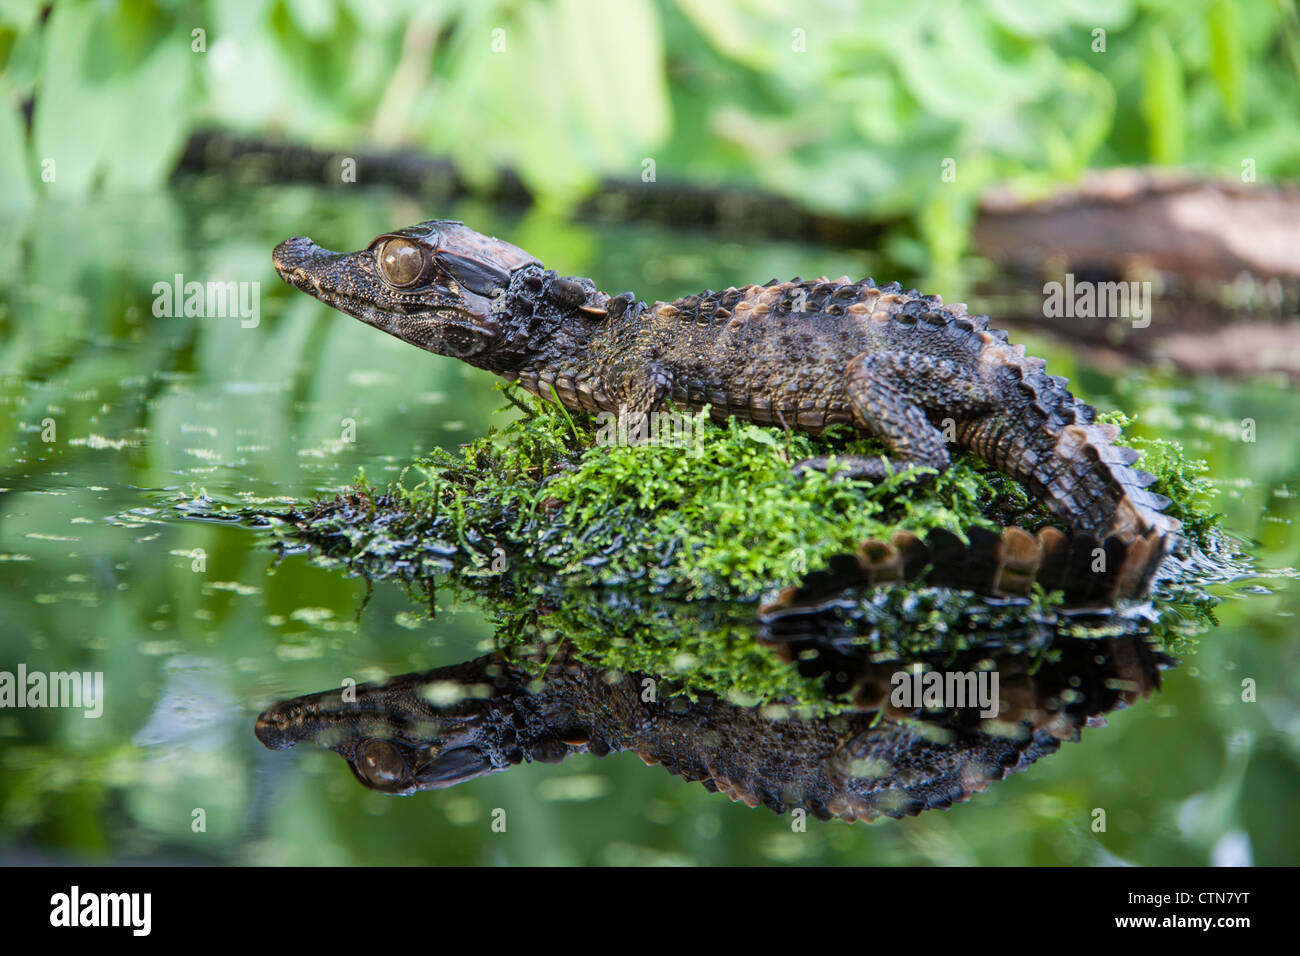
[110, 413]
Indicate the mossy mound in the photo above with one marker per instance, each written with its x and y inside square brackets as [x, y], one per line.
[557, 536]
[723, 517]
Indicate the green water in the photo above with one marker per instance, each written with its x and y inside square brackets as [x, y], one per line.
[110, 413]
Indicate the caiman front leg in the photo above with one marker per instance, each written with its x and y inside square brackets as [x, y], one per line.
[890, 393]
[646, 387]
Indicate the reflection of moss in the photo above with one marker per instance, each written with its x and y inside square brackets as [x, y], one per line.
[711, 647]
[725, 516]
[702, 647]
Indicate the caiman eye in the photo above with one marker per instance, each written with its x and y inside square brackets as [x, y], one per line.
[379, 762]
[401, 261]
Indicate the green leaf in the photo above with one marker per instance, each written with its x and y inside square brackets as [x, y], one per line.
[1164, 106]
[20, 15]
[16, 192]
[316, 18]
[762, 436]
[1227, 57]
[141, 146]
[623, 100]
[737, 31]
[70, 120]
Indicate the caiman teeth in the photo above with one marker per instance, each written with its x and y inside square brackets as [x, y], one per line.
[304, 281]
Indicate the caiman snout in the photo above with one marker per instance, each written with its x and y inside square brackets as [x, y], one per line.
[293, 255]
[288, 722]
[271, 731]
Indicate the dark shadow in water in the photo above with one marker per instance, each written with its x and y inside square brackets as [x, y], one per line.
[889, 755]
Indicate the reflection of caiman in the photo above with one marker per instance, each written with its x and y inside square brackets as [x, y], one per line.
[805, 354]
[398, 737]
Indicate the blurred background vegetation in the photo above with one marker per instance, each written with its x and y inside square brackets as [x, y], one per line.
[841, 107]
[849, 106]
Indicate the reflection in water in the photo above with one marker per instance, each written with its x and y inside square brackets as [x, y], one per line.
[442, 727]
[192, 406]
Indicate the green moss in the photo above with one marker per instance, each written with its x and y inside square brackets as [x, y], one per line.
[1180, 478]
[723, 516]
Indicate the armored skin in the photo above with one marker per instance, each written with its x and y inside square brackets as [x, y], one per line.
[803, 354]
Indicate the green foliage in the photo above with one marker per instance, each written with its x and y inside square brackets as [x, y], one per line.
[880, 109]
[1163, 105]
[700, 648]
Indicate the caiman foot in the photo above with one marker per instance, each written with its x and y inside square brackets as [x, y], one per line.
[855, 467]
[884, 409]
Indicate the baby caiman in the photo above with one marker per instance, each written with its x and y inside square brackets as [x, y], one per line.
[806, 354]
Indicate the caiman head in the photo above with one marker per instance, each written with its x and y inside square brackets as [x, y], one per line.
[438, 284]
[392, 736]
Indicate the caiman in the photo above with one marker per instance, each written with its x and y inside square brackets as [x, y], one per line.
[805, 354]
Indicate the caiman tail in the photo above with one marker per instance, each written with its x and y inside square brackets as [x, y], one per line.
[1052, 444]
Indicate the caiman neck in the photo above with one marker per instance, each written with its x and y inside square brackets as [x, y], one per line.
[546, 322]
